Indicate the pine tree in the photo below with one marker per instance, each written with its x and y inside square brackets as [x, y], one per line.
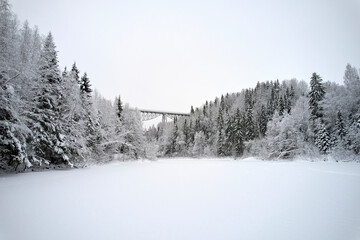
[13, 133]
[248, 98]
[220, 133]
[85, 86]
[191, 133]
[92, 118]
[238, 134]
[76, 73]
[50, 140]
[94, 134]
[171, 147]
[222, 102]
[281, 106]
[186, 132]
[119, 107]
[263, 121]
[250, 126]
[316, 94]
[74, 117]
[199, 144]
[229, 136]
[322, 140]
[340, 129]
[134, 137]
[197, 127]
[220, 144]
[49, 68]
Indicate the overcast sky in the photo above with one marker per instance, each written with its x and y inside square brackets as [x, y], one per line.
[169, 55]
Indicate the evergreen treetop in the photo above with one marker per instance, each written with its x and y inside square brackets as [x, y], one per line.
[76, 73]
[316, 94]
[85, 85]
[119, 107]
[49, 68]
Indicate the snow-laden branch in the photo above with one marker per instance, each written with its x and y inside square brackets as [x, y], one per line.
[10, 79]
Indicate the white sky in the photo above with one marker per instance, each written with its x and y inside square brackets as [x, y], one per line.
[169, 55]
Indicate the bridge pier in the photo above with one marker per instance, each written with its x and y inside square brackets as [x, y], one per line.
[164, 118]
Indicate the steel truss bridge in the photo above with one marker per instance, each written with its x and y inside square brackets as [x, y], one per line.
[151, 114]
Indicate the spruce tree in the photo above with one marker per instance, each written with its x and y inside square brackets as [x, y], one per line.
[134, 134]
[229, 135]
[191, 133]
[197, 127]
[263, 121]
[13, 133]
[49, 68]
[222, 102]
[199, 144]
[186, 132]
[281, 106]
[340, 127]
[316, 94]
[248, 98]
[322, 140]
[74, 116]
[85, 86]
[171, 147]
[119, 107]
[94, 134]
[250, 126]
[220, 133]
[238, 134]
[76, 73]
[49, 137]
[220, 144]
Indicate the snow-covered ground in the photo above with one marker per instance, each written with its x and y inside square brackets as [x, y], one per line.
[185, 199]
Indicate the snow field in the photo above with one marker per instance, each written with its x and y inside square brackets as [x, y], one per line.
[185, 199]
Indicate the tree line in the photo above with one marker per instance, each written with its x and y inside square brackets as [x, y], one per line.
[52, 118]
[273, 120]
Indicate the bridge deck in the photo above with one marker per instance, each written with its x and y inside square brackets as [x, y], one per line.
[164, 112]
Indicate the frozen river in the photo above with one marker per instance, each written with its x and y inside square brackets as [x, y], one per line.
[185, 199]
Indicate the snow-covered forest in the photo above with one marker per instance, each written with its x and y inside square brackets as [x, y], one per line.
[273, 120]
[53, 118]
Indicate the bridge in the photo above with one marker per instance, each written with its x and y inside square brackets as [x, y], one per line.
[151, 114]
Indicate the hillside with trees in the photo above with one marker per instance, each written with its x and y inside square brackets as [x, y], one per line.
[52, 118]
[273, 120]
